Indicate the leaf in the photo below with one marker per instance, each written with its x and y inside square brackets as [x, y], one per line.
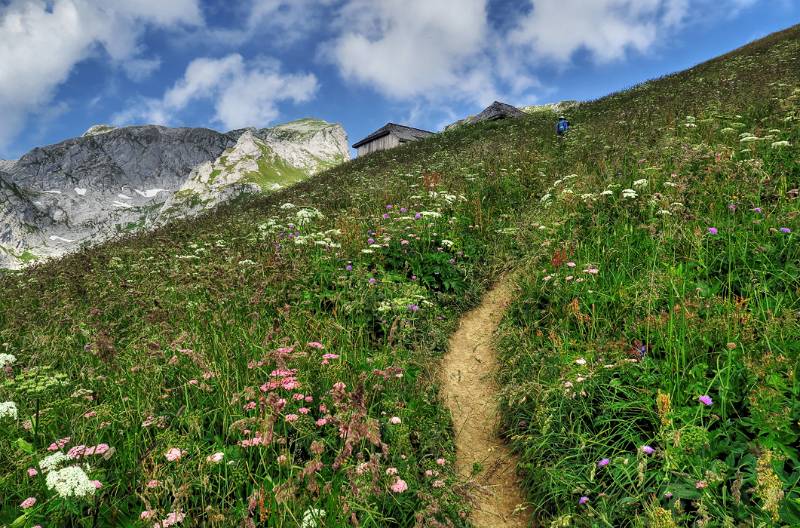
[25, 446]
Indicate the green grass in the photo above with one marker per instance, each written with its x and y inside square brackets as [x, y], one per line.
[162, 340]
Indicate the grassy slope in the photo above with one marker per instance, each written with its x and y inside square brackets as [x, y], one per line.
[137, 321]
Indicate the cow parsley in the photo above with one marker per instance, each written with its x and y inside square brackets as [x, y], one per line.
[52, 462]
[71, 481]
[312, 517]
[8, 409]
[7, 359]
[629, 193]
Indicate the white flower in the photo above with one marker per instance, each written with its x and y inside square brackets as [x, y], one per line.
[546, 198]
[728, 130]
[629, 193]
[748, 139]
[51, 462]
[287, 205]
[71, 481]
[778, 144]
[640, 183]
[580, 361]
[586, 197]
[606, 193]
[8, 409]
[307, 214]
[432, 214]
[312, 517]
[7, 359]
[670, 184]
[216, 458]
[664, 212]
[447, 243]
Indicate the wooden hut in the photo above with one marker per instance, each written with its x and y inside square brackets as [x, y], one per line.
[389, 136]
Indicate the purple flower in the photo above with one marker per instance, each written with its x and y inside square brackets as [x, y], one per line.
[389, 206]
[413, 307]
[403, 210]
[385, 216]
[785, 230]
[712, 230]
[372, 280]
[732, 207]
[668, 495]
[418, 216]
[705, 399]
[349, 267]
[603, 462]
[647, 450]
[756, 209]
[370, 241]
[583, 500]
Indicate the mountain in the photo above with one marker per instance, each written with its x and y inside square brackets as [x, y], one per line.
[112, 181]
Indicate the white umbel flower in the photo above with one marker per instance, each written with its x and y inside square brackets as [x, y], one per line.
[629, 193]
[312, 517]
[7, 359]
[53, 461]
[8, 410]
[71, 481]
[640, 183]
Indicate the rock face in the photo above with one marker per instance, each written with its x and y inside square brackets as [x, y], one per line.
[113, 181]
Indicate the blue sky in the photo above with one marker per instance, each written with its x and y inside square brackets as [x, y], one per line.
[68, 64]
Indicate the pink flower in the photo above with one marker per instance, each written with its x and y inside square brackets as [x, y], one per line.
[339, 386]
[216, 458]
[32, 472]
[326, 358]
[291, 417]
[174, 454]
[647, 450]
[323, 408]
[297, 396]
[316, 344]
[28, 503]
[321, 422]
[428, 472]
[583, 500]
[441, 461]
[705, 399]
[153, 484]
[147, 514]
[391, 471]
[399, 486]
[712, 230]
[700, 484]
[193, 382]
[170, 519]
[438, 484]
[309, 399]
[603, 462]
[58, 444]
[249, 406]
[303, 410]
[97, 484]
[90, 414]
[395, 420]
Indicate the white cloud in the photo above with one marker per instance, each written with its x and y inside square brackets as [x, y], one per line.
[415, 48]
[41, 41]
[243, 94]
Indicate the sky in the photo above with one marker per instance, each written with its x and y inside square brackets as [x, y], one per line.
[66, 65]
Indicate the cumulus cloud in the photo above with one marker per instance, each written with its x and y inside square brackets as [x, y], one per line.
[243, 94]
[41, 41]
[415, 48]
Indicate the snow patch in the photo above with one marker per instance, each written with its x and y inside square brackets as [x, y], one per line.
[52, 192]
[80, 191]
[125, 197]
[150, 193]
[117, 203]
[60, 239]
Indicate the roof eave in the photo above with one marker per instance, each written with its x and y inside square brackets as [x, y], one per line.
[370, 138]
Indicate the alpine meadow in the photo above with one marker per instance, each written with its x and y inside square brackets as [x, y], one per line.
[278, 360]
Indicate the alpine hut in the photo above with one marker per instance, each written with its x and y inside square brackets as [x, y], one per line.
[389, 136]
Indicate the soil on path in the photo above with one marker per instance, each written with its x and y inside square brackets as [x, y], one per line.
[470, 389]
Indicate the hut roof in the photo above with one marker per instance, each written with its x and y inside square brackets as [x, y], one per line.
[403, 132]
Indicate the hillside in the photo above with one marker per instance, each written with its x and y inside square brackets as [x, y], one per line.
[114, 181]
[275, 361]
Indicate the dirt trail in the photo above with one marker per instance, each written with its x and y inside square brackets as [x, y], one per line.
[470, 389]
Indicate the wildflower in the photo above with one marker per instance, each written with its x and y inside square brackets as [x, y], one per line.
[8, 410]
[153, 483]
[785, 230]
[32, 472]
[779, 144]
[70, 481]
[701, 484]
[399, 486]
[391, 471]
[174, 454]
[304, 410]
[7, 360]
[395, 420]
[327, 357]
[705, 399]
[571, 264]
[607, 193]
[647, 450]
[97, 484]
[756, 209]
[28, 503]
[629, 193]
[768, 487]
[53, 461]
[385, 216]
[58, 444]
[580, 361]
[372, 280]
[249, 406]
[170, 519]
[413, 307]
[583, 500]
[712, 230]
[591, 270]
[312, 517]
[640, 183]
[90, 414]
[316, 344]
[321, 422]
[417, 216]
[147, 514]
[441, 461]
[349, 267]
[291, 418]
[438, 484]
[389, 206]
[603, 462]
[668, 495]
